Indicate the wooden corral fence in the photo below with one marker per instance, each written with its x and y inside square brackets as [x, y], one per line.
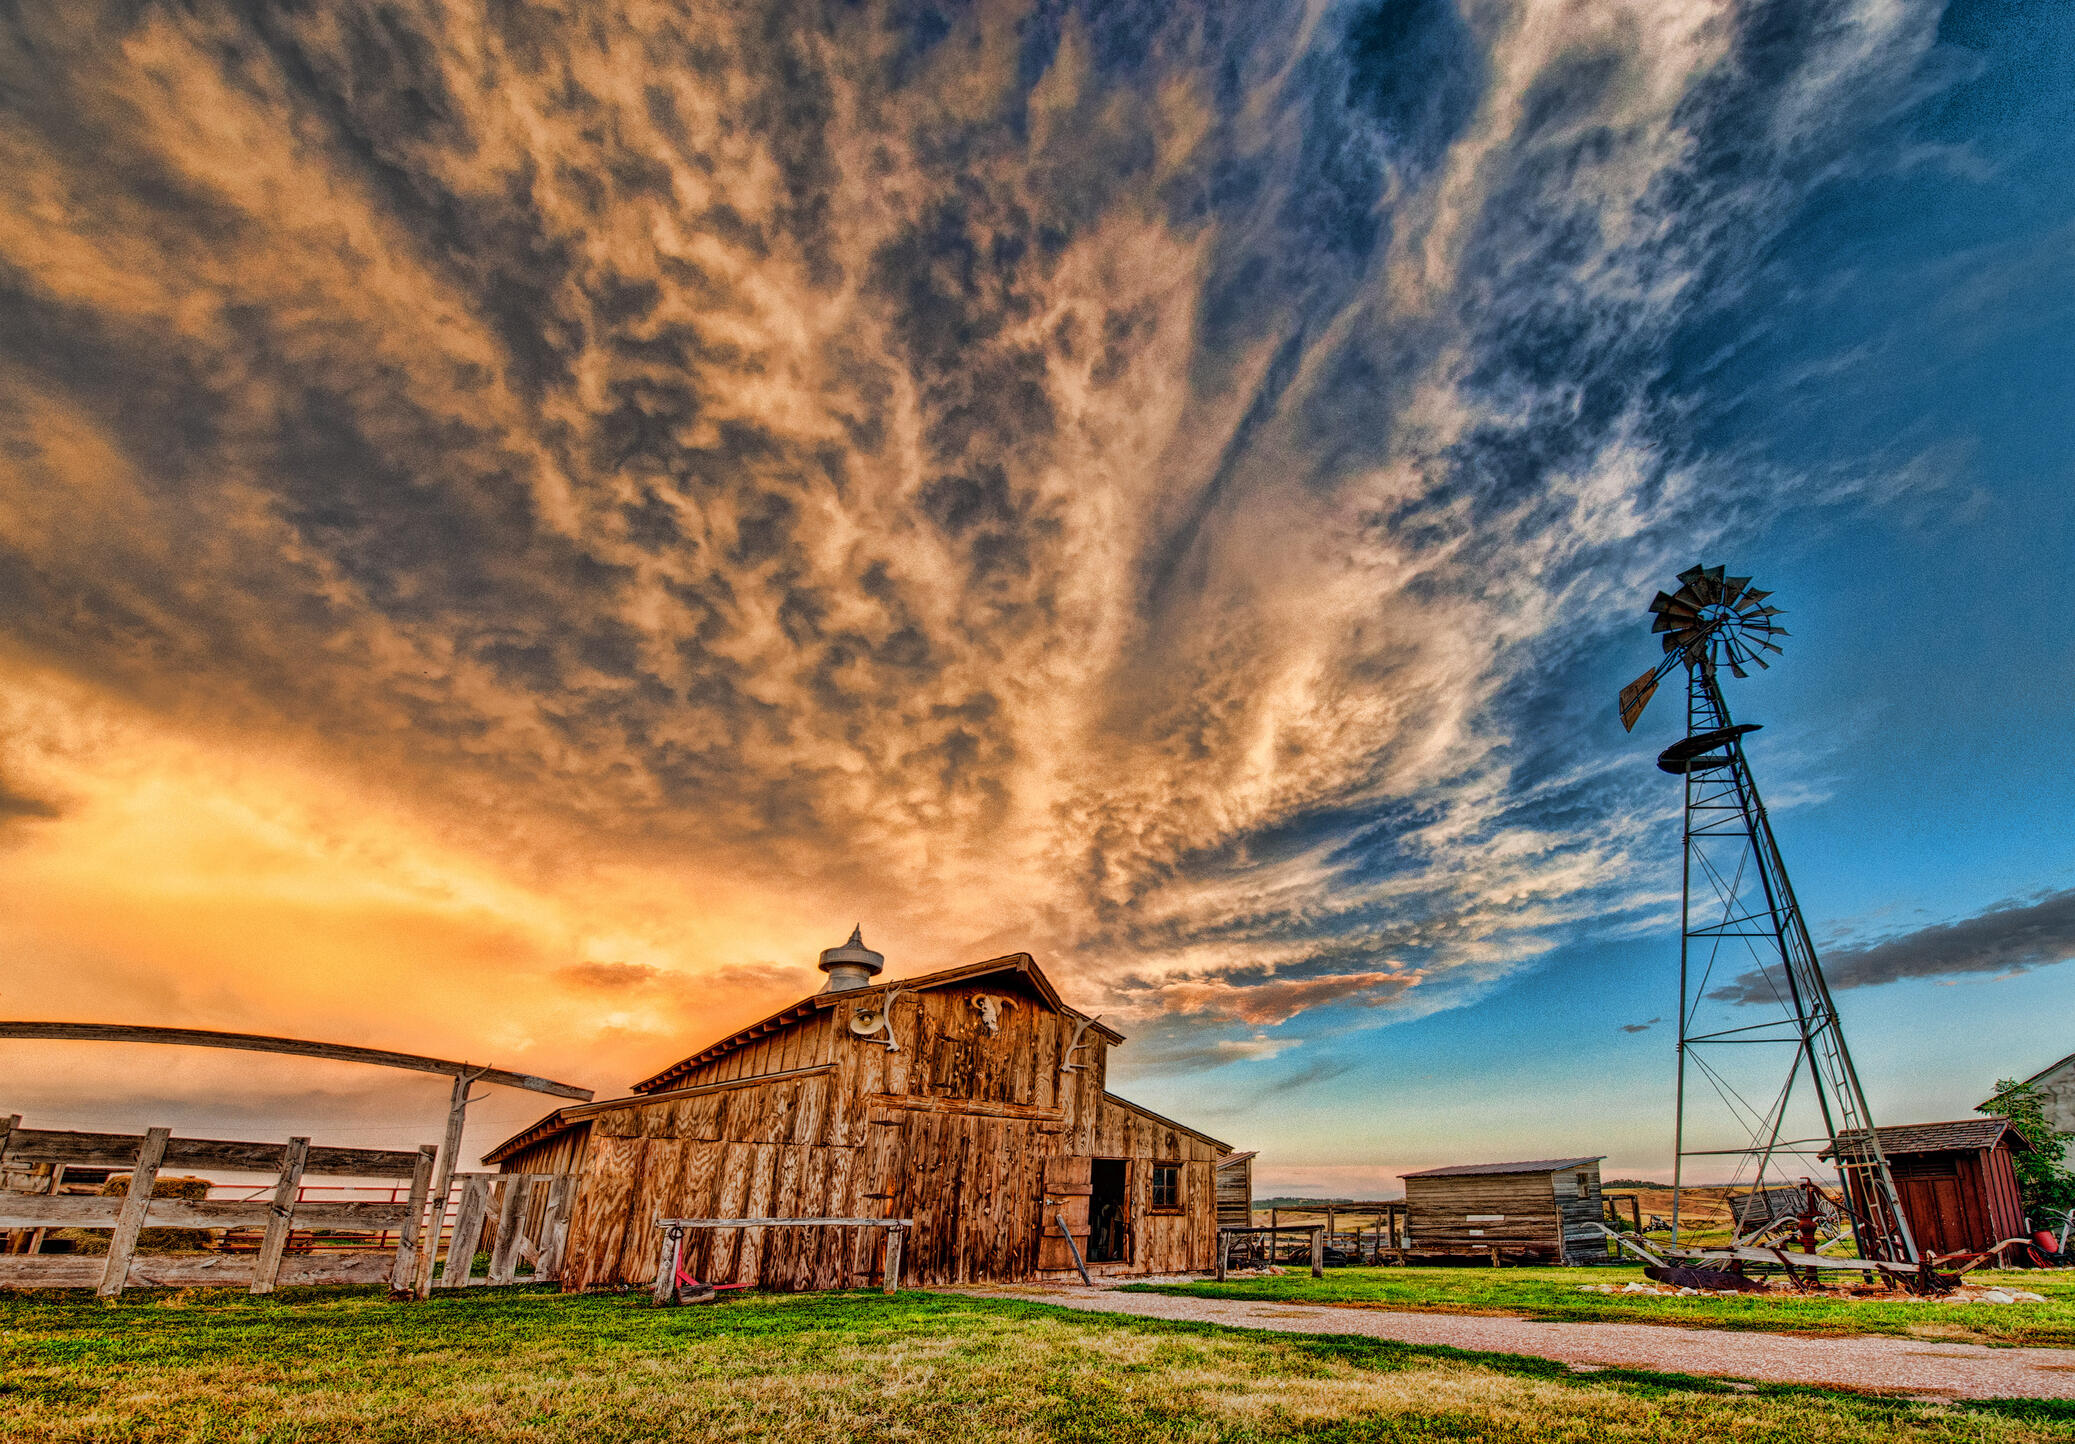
[1227, 1236]
[521, 1219]
[126, 1216]
[524, 1217]
[1356, 1232]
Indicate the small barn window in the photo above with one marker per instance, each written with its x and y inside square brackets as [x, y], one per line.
[1167, 1187]
[1584, 1185]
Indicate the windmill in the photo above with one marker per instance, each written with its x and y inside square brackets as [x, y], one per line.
[1766, 1086]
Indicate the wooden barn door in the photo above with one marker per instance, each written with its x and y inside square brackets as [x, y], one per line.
[1067, 1186]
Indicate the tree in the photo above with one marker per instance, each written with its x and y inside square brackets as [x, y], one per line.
[2044, 1183]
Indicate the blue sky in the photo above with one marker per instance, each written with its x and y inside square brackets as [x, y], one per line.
[557, 521]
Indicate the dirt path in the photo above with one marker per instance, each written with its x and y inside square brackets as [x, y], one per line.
[1917, 1367]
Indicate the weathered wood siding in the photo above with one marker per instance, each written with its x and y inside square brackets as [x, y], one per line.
[953, 1130]
[1512, 1211]
[1582, 1208]
[1236, 1193]
[1959, 1200]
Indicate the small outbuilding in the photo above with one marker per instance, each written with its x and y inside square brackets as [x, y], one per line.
[1957, 1181]
[1543, 1209]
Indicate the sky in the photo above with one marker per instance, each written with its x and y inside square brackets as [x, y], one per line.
[520, 524]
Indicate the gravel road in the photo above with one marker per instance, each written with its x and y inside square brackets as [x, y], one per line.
[1917, 1367]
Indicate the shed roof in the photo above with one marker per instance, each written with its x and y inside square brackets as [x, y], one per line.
[1021, 963]
[1532, 1165]
[1231, 1158]
[1960, 1135]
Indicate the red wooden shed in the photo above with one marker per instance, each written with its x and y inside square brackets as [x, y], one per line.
[1957, 1182]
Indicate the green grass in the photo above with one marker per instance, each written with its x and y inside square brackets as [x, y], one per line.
[1552, 1293]
[525, 1365]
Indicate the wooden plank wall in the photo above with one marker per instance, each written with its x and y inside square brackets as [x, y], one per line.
[950, 1130]
[1437, 1210]
[1235, 1183]
[1582, 1210]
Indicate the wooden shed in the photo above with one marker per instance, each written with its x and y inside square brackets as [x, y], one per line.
[1543, 1209]
[969, 1100]
[1957, 1181]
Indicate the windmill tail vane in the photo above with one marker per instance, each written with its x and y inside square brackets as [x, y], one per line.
[1711, 620]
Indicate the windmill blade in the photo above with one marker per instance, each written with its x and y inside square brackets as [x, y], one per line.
[1732, 588]
[1636, 696]
[1735, 670]
[1782, 651]
[1664, 603]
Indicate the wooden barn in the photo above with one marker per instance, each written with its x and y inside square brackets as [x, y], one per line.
[1957, 1181]
[969, 1101]
[1543, 1209]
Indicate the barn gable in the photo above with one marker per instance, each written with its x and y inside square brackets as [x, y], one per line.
[755, 1049]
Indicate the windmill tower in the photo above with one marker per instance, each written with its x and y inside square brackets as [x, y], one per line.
[1766, 1086]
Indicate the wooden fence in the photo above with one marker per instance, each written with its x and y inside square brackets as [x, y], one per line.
[525, 1217]
[126, 1216]
[503, 1207]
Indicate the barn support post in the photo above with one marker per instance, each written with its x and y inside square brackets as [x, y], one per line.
[1318, 1253]
[410, 1237]
[280, 1215]
[122, 1245]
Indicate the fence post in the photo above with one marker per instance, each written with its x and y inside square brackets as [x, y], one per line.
[280, 1215]
[666, 1266]
[893, 1259]
[468, 1228]
[128, 1223]
[554, 1229]
[504, 1259]
[1224, 1248]
[405, 1270]
[1318, 1253]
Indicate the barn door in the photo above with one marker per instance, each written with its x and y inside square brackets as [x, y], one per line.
[1067, 1185]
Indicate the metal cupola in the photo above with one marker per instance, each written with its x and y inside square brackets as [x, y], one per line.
[852, 965]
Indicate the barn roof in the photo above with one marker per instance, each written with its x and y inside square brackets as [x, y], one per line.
[1020, 963]
[1961, 1135]
[1532, 1165]
[1232, 1158]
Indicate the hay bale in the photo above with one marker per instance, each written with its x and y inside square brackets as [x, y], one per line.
[150, 1240]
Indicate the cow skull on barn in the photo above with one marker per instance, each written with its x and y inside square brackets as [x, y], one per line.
[990, 1006]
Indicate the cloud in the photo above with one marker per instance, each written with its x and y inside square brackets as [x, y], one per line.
[1125, 481]
[1640, 1027]
[610, 977]
[2011, 938]
[1277, 1000]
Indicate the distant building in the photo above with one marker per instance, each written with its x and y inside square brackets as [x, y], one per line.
[969, 1100]
[1545, 1209]
[2056, 1084]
